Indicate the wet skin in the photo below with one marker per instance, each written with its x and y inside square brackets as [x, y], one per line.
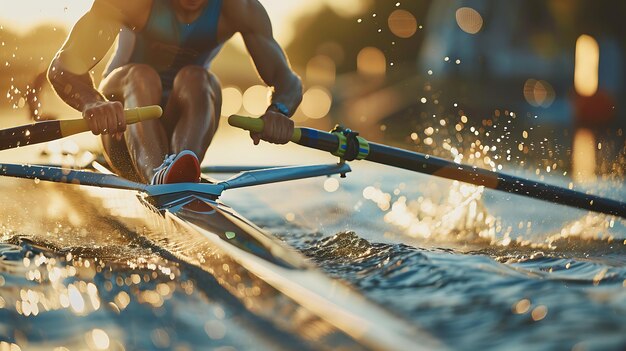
[193, 108]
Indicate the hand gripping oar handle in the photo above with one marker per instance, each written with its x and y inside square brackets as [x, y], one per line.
[256, 125]
[51, 130]
[414, 161]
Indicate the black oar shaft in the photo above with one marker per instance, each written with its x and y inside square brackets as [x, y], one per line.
[30, 134]
[51, 130]
[426, 164]
[492, 180]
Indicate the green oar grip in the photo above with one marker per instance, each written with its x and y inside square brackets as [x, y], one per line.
[256, 125]
[133, 115]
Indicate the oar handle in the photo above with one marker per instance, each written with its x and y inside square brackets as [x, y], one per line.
[133, 115]
[51, 130]
[256, 125]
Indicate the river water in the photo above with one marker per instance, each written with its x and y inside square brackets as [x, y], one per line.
[475, 269]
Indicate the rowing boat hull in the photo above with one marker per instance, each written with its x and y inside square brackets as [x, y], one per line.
[262, 272]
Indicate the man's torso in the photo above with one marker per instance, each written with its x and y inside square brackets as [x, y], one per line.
[167, 44]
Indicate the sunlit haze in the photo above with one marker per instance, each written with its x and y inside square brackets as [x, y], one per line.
[27, 14]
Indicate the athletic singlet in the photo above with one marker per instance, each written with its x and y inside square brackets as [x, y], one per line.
[168, 45]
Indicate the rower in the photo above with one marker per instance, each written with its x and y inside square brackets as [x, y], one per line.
[163, 57]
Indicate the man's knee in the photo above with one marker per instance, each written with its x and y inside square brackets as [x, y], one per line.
[193, 78]
[144, 77]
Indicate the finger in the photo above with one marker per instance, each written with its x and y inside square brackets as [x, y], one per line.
[113, 121]
[280, 131]
[94, 122]
[95, 127]
[110, 122]
[103, 120]
[286, 132]
[272, 131]
[121, 119]
[256, 138]
[283, 135]
[88, 117]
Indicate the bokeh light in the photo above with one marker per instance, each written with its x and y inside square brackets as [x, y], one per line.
[371, 62]
[76, 300]
[540, 312]
[402, 23]
[232, 100]
[348, 8]
[469, 20]
[321, 69]
[538, 93]
[256, 99]
[316, 102]
[586, 66]
[331, 185]
[100, 339]
[333, 50]
[584, 156]
[7, 346]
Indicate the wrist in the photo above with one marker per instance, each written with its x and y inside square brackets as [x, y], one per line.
[91, 103]
[280, 108]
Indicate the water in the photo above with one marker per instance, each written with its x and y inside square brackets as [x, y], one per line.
[92, 285]
[475, 269]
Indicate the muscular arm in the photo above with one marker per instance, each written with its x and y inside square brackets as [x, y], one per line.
[250, 19]
[88, 42]
[90, 39]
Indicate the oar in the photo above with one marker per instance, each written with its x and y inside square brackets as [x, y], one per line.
[337, 143]
[51, 130]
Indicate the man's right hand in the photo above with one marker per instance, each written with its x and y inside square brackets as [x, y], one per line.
[105, 117]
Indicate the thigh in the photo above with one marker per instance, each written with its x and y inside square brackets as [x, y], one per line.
[116, 151]
[216, 96]
[112, 86]
[176, 99]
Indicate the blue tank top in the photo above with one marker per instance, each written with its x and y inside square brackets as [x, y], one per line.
[168, 45]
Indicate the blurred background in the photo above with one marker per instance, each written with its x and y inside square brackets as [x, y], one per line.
[529, 85]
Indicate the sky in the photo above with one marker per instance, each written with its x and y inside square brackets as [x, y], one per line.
[23, 15]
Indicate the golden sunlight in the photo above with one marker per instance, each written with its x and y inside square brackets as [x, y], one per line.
[25, 15]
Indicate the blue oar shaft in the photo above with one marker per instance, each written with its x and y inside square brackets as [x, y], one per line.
[436, 166]
[426, 164]
[61, 175]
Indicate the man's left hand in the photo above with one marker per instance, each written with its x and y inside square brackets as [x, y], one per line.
[278, 128]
